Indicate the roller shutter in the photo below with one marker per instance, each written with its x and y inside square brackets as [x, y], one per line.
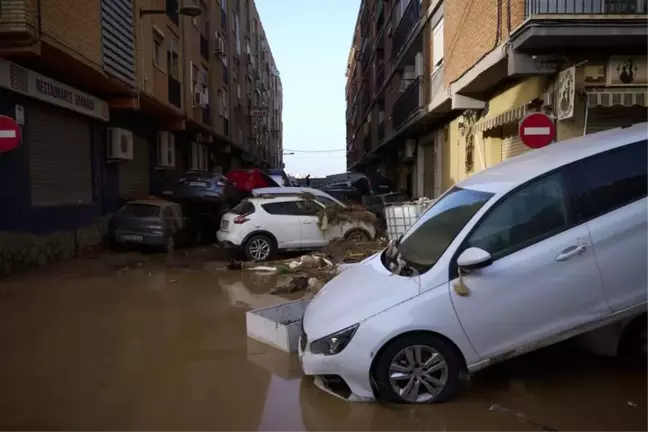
[60, 165]
[134, 175]
[604, 118]
[512, 145]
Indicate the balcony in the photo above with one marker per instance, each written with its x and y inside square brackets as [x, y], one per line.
[406, 26]
[407, 105]
[19, 22]
[204, 48]
[591, 24]
[175, 92]
[172, 11]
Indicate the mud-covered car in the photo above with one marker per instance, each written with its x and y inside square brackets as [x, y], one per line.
[157, 224]
[205, 187]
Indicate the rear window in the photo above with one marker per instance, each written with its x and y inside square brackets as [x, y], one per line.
[140, 210]
[245, 207]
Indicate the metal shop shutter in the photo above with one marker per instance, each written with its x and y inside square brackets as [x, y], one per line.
[134, 175]
[512, 145]
[60, 164]
[604, 118]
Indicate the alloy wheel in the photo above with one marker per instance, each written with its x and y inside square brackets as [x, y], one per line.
[418, 373]
[259, 249]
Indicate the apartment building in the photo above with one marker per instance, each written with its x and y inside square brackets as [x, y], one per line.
[115, 99]
[472, 70]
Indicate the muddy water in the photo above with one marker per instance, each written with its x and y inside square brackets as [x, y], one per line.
[136, 344]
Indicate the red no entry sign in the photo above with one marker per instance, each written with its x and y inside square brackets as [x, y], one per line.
[537, 130]
[9, 134]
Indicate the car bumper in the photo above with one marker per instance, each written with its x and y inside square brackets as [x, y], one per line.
[229, 239]
[345, 375]
[144, 239]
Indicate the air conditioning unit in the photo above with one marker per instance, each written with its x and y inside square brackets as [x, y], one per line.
[165, 149]
[119, 144]
[219, 48]
[199, 99]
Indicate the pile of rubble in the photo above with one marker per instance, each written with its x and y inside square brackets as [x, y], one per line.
[309, 273]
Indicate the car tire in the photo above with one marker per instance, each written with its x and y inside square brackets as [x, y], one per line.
[357, 235]
[259, 248]
[401, 377]
[633, 344]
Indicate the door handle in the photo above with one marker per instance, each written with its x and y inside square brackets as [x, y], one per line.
[570, 252]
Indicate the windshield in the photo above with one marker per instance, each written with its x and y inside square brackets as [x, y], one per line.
[140, 210]
[427, 239]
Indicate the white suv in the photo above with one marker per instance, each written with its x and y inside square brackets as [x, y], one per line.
[261, 226]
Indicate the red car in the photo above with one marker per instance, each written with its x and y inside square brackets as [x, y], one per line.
[247, 179]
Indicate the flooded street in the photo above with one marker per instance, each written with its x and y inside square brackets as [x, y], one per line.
[140, 345]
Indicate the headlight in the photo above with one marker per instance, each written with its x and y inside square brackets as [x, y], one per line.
[335, 343]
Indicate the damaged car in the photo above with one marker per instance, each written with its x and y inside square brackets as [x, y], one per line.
[549, 245]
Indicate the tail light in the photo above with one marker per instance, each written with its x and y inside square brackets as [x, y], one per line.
[241, 219]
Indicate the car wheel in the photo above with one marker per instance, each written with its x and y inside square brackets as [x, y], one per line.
[259, 248]
[357, 235]
[418, 369]
[633, 346]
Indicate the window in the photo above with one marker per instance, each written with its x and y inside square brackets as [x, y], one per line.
[605, 182]
[204, 83]
[140, 210]
[437, 46]
[525, 217]
[158, 48]
[245, 207]
[326, 201]
[428, 238]
[237, 32]
[173, 57]
[225, 104]
[194, 78]
[286, 208]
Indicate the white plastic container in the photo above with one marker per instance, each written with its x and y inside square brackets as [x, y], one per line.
[401, 216]
[278, 326]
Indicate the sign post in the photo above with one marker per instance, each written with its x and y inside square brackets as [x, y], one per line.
[9, 134]
[537, 130]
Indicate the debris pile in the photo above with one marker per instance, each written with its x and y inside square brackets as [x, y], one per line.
[311, 272]
[337, 215]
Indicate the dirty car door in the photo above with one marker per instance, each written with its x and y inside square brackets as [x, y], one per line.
[311, 234]
[543, 279]
[284, 222]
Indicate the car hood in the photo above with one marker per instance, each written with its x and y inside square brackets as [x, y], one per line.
[358, 293]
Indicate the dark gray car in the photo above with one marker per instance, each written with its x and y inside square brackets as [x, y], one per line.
[205, 187]
[157, 224]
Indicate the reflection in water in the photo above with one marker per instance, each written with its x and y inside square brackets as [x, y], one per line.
[157, 348]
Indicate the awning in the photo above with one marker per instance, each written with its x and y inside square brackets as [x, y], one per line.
[608, 98]
[510, 116]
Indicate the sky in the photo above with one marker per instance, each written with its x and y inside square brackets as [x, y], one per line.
[310, 42]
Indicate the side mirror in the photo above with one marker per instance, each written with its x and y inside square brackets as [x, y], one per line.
[474, 258]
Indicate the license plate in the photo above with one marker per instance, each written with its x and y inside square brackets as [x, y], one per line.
[199, 184]
[138, 238]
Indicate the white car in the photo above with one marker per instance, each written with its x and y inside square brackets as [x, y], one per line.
[321, 196]
[261, 226]
[532, 251]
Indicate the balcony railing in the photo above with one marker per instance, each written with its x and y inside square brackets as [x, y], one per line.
[436, 81]
[204, 48]
[589, 7]
[175, 92]
[407, 24]
[406, 105]
[172, 11]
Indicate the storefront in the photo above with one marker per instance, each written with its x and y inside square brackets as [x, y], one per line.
[53, 178]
